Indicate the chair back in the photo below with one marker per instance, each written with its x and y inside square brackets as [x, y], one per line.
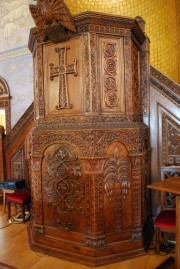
[168, 200]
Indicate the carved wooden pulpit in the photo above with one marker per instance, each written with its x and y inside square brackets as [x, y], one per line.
[90, 148]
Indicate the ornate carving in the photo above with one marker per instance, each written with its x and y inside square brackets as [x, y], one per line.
[62, 70]
[117, 182]
[37, 209]
[39, 230]
[39, 89]
[137, 202]
[128, 74]
[96, 242]
[94, 204]
[108, 24]
[19, 127]
[17, 163]
[135, 79]
[63, 186]
[145, 78]
[170, 85]
[169, 199]
[165, 86]
[90, 162]
[86, 68]
[116, 176]
[47, 13]
[170, 140]
[108, 121]
[90, 77]
[136, 235]
[110, 66]
[93, 143]
[94, 84]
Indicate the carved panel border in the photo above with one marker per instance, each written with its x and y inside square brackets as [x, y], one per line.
[94, 204]
[93, 143]
[90, 73]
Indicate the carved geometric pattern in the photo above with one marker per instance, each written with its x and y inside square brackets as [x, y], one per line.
[63, 186]
[137, 203]
[90, 77]
[117, 182]
[94, 205]
[36, 209]
[145, 81]
[169, 199]
[128, 74]
[135, 79]
[165, 86]
[170, 141]
[86, 68]
[39, 93]
[169, 84]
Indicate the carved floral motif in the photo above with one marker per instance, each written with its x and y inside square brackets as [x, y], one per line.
[63, 186]
[117, 175]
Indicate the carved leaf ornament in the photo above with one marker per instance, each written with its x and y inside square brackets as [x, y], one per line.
[116, 175]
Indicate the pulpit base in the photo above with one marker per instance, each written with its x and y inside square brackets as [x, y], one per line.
[82, 254]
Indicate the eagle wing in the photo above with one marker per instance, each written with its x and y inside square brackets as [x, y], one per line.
[37, 17]
[62, 14]
[47, 12]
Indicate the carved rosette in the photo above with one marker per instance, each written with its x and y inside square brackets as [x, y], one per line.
[110, 68]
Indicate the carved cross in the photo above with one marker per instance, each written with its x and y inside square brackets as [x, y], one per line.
[62, 71]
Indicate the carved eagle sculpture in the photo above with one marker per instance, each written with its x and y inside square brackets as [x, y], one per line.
[51, 12]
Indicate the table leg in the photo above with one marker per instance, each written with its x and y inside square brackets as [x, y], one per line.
[177, 260]
[4, 200]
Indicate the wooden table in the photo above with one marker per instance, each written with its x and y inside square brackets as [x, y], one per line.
[172, 184]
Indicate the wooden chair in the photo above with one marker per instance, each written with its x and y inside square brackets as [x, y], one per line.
[20, 197]
[166, 219]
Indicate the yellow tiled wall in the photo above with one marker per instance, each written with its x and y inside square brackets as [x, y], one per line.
[162, 26]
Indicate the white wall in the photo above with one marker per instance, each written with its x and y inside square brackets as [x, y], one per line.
[16, 65]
